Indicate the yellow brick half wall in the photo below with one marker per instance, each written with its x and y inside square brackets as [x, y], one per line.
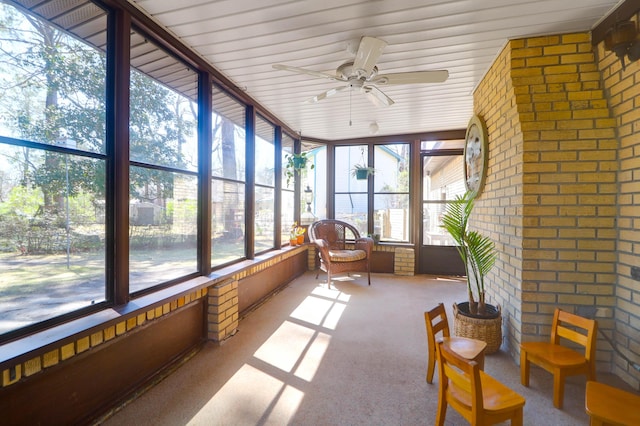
[222, 310]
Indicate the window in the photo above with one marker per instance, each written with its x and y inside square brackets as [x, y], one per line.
[391, 192]
[52, 170]
[228, 179]
[442, 181]
[313, 200]
[351, 194]
[264, 230]
[163, 187]
[288, 199]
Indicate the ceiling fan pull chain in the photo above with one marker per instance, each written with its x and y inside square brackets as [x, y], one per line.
[350, 108]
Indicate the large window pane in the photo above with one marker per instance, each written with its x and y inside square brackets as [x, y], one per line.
[265, 153]
[53, 85]
[391, 218]
[52, 235]
[347, 158]
[391, 196]
[352, 208]
[163, 124]
[163, 149]
[52, 197]
[227, 222]
[228, 187]
[264, 229]
[442, 181]
[351, 203]
[163, 227]
[264, 225]
[287, 196]
[314, 180]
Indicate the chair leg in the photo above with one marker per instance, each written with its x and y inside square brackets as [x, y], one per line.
[558, 389]
[480, 360]
[369, 276]
[442, 409]
[524, 368]
[516, 420]
[431, 366]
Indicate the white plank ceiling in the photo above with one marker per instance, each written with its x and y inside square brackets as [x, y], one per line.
[244, 38]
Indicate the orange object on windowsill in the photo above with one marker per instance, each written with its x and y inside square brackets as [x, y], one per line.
[300, 239]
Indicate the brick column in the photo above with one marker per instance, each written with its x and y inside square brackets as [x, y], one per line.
[312, 256]
[404, 261]
[222, 310]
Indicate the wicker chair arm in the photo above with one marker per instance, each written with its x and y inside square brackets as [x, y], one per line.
[366, 244]
[323, 248]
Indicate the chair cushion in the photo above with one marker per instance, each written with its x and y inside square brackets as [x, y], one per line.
[347, 255]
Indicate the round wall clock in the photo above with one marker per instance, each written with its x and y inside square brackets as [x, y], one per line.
[476, 151]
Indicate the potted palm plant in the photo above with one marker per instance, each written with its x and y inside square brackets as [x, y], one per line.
[474, 318]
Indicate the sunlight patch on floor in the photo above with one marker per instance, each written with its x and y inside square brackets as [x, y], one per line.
[311, 361]
[296, 338]
[274, 403]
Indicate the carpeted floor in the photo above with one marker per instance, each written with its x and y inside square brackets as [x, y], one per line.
[349, 355]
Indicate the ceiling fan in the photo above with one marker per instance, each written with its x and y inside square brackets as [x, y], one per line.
[362, 74]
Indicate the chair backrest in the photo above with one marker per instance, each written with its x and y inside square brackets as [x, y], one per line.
[460, 382]
[580, 330]
[334, 232]
[436, 322]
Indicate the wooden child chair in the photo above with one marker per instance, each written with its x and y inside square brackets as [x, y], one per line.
[559, 360]
[478, 397]
[436, 322]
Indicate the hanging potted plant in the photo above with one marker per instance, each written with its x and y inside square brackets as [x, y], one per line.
[295, 164]
[474, 318]
[361, 172]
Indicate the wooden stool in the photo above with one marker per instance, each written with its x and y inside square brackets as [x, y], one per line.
[607, 405]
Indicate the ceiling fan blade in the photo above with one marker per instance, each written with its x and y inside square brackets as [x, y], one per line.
[368, 53]
[325, 94]
[436, 76]
[377, 97]
[307, 72]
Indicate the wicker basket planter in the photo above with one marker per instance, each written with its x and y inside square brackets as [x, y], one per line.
[487, 329]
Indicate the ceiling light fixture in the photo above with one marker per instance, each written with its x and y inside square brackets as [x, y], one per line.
[623, 40]
[373, 127]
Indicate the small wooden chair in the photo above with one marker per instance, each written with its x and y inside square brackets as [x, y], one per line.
[436, 322]
[559, 360]
[607, 405]
[478, 397]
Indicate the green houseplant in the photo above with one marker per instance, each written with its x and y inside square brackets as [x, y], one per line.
[295, 163]
[477, 251]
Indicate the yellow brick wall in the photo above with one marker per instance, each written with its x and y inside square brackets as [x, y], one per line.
[498, 211]
[622, 89]
[569, 192]
[550, 199]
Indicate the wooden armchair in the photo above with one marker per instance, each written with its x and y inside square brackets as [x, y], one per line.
[331, 237]
[559, 360]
